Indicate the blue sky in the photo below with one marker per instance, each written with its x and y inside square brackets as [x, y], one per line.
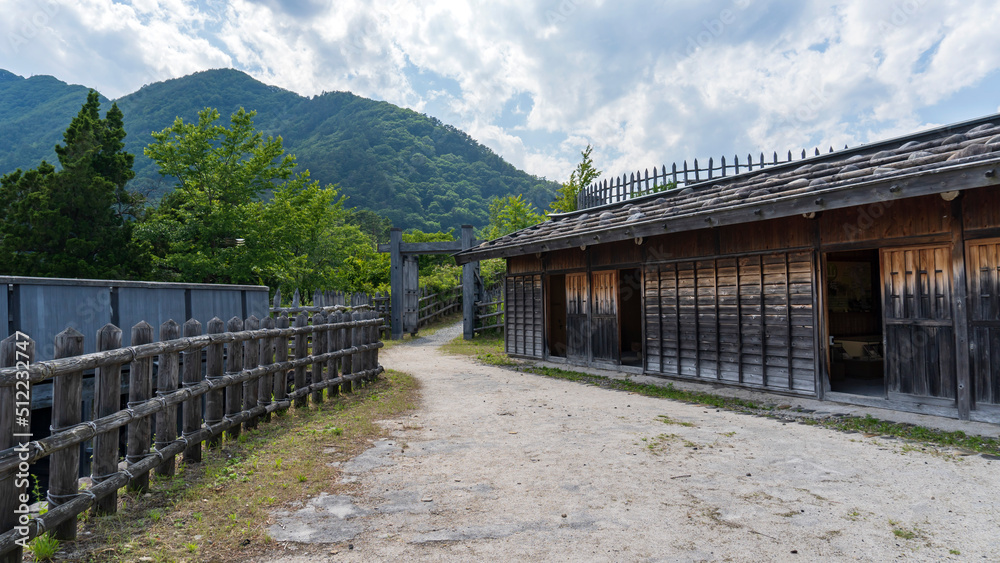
[646, 83]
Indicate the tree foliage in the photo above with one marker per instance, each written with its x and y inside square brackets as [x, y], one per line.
[582, 176]
[239, 212]
[74, 222]
[508, 214]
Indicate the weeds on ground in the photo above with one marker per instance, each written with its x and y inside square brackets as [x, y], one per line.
[44, 547]
[491, 351]
[219, 509]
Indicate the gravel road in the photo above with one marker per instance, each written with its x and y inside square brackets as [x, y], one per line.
[503, 466]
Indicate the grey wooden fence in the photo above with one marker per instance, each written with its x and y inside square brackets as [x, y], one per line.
[251, 369]
[636, 184]
[490, 310]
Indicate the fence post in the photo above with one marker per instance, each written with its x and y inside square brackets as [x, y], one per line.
[191, 410]
[13, 424]
[468, 288]
[346, 363]
[214, 408]
[265, 386]
[67, 411]
[166, 382]
[396, 282]
[140, 383]
[318, 347]
[281, 355]
[251, 359]
[107, 401]
[357, 339]
[301, 351]
[234, 363]
[332, 345]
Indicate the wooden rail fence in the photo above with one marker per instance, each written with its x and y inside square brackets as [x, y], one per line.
[490, 310]
[251, 369]
[635, 184]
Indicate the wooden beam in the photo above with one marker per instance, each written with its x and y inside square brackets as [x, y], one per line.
[396, 283]
[469, 271]
[437, 247]
[960, 315]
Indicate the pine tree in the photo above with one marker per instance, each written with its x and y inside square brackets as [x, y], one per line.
[74, 222]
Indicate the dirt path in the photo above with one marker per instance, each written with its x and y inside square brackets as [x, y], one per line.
[503, 466]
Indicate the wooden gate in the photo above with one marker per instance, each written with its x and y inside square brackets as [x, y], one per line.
[919, 330]
[524, 318]
[983, 267]
[604, 321]
[577, 327]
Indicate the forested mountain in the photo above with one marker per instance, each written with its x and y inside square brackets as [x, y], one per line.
[408, 167]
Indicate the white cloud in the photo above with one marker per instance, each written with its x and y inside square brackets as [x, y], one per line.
[644, 83]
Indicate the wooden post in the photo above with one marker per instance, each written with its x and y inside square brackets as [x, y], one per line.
[301, 351]
[332, 345]
[960, 313]
[15, 431]
[140, 383]
[67, 411]
[234, 364]
[251, 359]
[357, 339]
[107, 401]
[191, 410]
[166, 383]
[214, 407]
[281, 355]
[396, 282]
[318, 347]
[346, 364]
[265, 386]
[468, 288]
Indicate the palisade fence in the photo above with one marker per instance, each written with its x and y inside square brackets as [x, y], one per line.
[635, 184]
[245, 370]
[490, 310]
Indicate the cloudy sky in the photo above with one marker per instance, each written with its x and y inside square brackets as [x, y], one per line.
[645, 82]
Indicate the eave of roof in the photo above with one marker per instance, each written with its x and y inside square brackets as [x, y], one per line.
[928, 162]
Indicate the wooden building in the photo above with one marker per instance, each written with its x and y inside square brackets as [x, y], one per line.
[869, 276]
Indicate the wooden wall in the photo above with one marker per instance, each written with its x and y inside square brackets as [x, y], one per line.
[746, 320]
[874, 223]
[524, 264]
[524, 327]
[981, 209]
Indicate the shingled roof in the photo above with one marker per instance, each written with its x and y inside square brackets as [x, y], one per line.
[951, 158]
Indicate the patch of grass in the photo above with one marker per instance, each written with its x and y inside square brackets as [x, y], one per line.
[667, 420]
[44, 547]
[220, 508]
[871, 425]
[485, 348]
[904, 533]
[954, 552]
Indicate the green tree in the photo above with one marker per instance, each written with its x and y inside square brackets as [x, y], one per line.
[202, 231]
[74, 222]
[508, 214]
[582, 176]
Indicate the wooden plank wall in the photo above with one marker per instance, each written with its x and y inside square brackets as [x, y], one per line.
[524, 326]
[746, 320]
[524, 264]
[983, 267]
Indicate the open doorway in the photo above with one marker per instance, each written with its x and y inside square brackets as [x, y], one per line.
[854, 323]
[556, 315]
[630, 316]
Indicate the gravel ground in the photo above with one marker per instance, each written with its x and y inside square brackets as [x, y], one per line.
[499, 465]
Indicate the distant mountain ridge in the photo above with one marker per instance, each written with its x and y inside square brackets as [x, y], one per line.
[411, 168]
